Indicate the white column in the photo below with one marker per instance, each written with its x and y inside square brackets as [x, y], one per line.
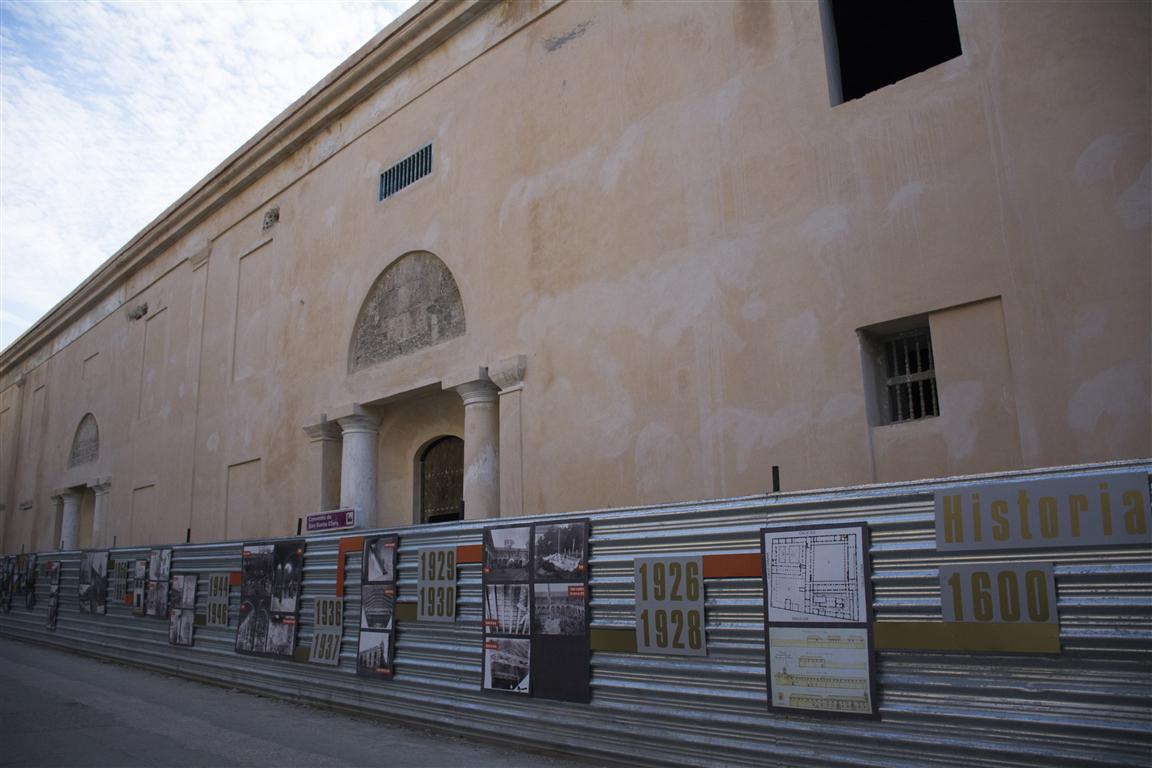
[70, 518]
[57, 514]
[508, 375]
[325, 439]
[481, 443]
[100, 487]
[358, 464]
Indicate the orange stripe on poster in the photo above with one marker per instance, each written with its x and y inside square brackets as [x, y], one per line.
[469, 553]
[234, 579]
[348, 544]
[733, 566]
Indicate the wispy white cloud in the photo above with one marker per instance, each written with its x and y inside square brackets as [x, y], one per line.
[111, 111]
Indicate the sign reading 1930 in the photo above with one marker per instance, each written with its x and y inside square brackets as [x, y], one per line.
[436, 585]
[670, 605]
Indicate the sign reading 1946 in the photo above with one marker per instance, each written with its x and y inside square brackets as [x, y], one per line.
[436, 585]
[670, 605]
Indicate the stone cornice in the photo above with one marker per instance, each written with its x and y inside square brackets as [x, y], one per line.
[404, 42]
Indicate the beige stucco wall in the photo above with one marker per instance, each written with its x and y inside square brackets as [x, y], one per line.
[655, 203]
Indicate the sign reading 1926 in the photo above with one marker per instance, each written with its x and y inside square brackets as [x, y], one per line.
[436, 585]
[670, 605]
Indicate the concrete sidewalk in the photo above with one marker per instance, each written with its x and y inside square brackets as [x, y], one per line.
[59, 709]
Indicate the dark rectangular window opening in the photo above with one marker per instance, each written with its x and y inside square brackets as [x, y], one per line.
[909, 376]
[869, 45]
[412, 168]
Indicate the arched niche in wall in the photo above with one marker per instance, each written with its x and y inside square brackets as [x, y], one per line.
[414, 303]
[86, 442]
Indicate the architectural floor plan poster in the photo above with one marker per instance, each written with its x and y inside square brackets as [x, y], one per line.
[817, 619]
[816, 574]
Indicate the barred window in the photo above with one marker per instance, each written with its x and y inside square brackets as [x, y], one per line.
[909, 376]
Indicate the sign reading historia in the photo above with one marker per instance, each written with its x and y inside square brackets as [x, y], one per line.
[377, 607]
[93, 588]
[536, 607]
[1067, 512]
[436, 585]
[817, 616]
[670, 605]
[182, 612]
[999, 593]
[328, 631]
[270, 584]
[217, 615]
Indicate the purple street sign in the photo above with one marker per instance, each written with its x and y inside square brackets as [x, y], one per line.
[334, 520]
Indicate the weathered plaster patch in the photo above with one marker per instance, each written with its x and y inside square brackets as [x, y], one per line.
[1098, 160]
[527, 189]
[800, 330]
[213, 441]
[961, 403]
[622, 154]
[1112, 392]
[556, 43]
[754, 309]
[660, 458]
[825, 225]
[1090, 325]
[841, 407]
[905, 197]
[1135, 205]
[482, 471]
[748, 430]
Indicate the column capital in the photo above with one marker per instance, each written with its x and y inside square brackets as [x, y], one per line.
[100, 485]
[323, 430]
[508, 374]
[473, 385]
[65, 493]
[358, 423]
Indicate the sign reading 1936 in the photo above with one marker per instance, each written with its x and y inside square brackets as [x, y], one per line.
[670, 605]
[436, 585]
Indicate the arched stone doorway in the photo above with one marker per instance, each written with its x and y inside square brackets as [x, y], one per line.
[441, 471]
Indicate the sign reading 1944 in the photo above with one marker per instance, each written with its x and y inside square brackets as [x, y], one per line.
[436, 585]
[670, 605]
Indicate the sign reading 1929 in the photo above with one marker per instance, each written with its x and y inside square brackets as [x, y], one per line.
[436, 585]
[670, 605]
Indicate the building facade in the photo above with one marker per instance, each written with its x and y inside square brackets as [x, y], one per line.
[531, 257]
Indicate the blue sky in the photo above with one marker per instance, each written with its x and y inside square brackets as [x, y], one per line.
[110, 111]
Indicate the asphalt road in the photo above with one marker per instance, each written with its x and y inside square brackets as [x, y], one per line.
[59, 709]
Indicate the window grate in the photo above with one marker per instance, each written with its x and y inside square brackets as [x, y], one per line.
[910, 376]
[409, 170]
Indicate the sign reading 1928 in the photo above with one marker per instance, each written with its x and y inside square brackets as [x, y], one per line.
[436, 585]
[670, 605]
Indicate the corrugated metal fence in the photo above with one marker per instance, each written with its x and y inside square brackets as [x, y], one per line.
[1092, 704]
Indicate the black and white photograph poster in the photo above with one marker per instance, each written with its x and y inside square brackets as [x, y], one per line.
[287, 577]
[120, 581]
[7, 582]
[93, 582]
[270, 574]
[180, 624]
[159, 571]
[29, 586]
[536, 638]
[508, 554]
[374, 654]
[507, 665]
[377, 630]
[560, 551]
[139, 586]
[53, 594]
[379, 560]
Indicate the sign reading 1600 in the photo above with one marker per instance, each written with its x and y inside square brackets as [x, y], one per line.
[436, 585]
[1000, 593]
[670, 605]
